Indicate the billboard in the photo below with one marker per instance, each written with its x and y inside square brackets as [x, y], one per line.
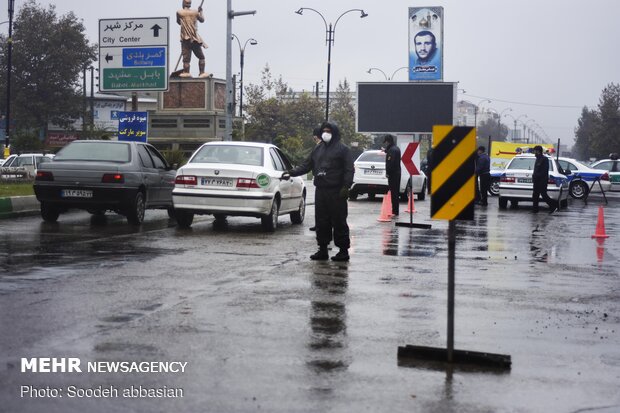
[132, 126]
[503, 152]
[404, 107]
[426, 43]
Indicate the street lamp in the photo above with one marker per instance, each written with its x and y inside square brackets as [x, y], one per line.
[384, 75]
[514, 133]
[525, 128]
[330, 32]
[476, 113]
[253, 42]
[9, 69]
[499, 120]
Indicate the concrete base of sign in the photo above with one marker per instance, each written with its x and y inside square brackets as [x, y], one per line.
[420, 356]
[409, 225]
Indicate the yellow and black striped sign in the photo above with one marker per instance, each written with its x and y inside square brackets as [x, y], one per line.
[453, 179]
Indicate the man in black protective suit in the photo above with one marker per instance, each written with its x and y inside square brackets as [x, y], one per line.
[392, 170]
[332, 166]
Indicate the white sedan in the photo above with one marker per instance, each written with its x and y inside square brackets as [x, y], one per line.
[238, 179]
[370, 177]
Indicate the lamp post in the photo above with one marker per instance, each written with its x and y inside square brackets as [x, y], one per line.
[9, 69]
[476, 113]
[253, 42]
[525, 128]
[330, 32]
[230, 14]
[499, 120]
[385, 75]
[514, 132]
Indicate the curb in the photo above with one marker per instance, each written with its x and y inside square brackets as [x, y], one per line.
[19, 206]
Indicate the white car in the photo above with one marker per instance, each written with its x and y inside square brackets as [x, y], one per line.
[24, 165]
[238, 179]
[516, 182]
[370, 177]
[612, 166]
[584, 179]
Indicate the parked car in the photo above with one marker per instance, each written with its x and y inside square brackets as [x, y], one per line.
[7, 162]
[238, 179]
[370, 178]
[612, 166]
[496, 174]
[24, 165]
[583, 179]
[124, 177]
[516, 182]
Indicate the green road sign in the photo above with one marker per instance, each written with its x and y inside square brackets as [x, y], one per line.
[148, 78]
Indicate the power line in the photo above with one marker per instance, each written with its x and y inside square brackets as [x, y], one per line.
[524, 103]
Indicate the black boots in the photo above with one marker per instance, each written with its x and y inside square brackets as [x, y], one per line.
[343, 255]
[321, 254]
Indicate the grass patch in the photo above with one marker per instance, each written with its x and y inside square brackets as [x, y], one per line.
[15, 189]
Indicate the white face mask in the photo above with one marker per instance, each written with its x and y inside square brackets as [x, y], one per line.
[326, 137]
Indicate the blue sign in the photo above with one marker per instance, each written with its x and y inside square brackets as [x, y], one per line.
[144, 56]
[132, 126]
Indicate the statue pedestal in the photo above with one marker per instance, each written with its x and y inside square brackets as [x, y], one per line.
[202, 94]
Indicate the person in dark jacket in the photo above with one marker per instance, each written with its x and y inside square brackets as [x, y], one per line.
[540, 178]
[392, 170]
[483, 175]
[332, 166]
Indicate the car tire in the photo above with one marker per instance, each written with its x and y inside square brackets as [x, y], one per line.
[297, 217]
[49, 213]
[422, 194]
[578, 189]
[503, 203]
[353, 195]
[270, 222]
[171, 212]
[494, 188]
[184, 218]
[371, 196]
[135, 213]
[514, 204]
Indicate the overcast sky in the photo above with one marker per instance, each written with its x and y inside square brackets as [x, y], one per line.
[544, 59]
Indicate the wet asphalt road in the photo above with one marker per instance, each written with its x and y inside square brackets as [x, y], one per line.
[263, 328]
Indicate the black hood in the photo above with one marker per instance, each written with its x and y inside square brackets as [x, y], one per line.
[335, 131]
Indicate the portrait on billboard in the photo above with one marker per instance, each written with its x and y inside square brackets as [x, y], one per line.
[426, 43]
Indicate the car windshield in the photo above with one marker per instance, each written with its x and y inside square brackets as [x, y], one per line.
[372, 157]
[94, 151]
[241, 155]
[526, 163]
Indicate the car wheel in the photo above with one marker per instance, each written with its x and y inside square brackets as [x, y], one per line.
[135, 214]
[494, 188]
[422, 194]
[171, 213]
[578, 189]
[503, 203]
[352, 195]
[49, 213]
[270, 222]
[297, 217]
[514, 204]
[184, 218]
[371, 196]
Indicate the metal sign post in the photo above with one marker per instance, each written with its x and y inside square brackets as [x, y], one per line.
[452, 198]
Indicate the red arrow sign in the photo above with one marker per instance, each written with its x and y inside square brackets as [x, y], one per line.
[407, 158]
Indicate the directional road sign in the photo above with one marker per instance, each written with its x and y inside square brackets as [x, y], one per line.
[407, 158]
[452, 176]
[133, 54]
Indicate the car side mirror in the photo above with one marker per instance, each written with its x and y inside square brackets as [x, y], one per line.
[567, 172]
[285, 176]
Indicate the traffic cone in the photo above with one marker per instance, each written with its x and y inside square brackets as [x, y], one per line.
[386, 208]
[600, 225]
[410, 206]
[600, 249]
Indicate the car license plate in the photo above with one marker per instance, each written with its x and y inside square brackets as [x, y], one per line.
[525, 180]
[373, 172]
[214, 181]
[76, 193]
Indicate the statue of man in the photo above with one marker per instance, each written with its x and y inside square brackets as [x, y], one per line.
[191, 42]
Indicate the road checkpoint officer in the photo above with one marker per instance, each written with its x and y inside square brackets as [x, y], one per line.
[392, 170]
[332, 166]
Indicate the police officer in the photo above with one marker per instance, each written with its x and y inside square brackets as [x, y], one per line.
[392, 170]
[332, 166]
[540, 178]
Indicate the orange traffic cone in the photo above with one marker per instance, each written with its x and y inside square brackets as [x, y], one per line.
[386, 208]
[600, 249]
[410, 206]
[600, 225]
